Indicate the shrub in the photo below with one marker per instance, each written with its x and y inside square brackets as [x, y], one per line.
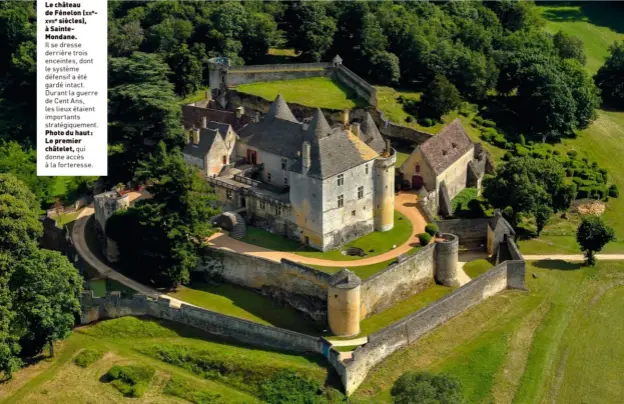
[572, 154]
[584, 174]
[426, 122]
[594, 165]
[585, 160]
[500, 141]
[507, 156]
[520, 150]
[288, 387]
[132, 380]
[613, 191]
[605, 174]
[556, 152]
[424, 238]
[191, 392]
[416, 387]
[486, 137]
[488, 123]
[509, 146]
[569, 172]
[539, 154]
[478, 119]
[88, 356]
[599, 192]
[409, 119]
[522, 140]
[432, 229]
[583, 192]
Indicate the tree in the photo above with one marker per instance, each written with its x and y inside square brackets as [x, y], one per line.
[592, 235]
[262, 34]
[423, 387]
[569, 47]
[187, 70]
[385, 67]
[160, 239]
[46, 290]
[440, 97]
[542, 214]
[610, 77]
[525, 185]
[310, 29]
[584, 92]
[22, 163]
[19, 224]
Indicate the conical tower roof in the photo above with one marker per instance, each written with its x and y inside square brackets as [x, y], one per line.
[319, 127]
[372, 136]
[280, 110]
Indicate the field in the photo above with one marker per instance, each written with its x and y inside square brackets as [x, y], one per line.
[319, 92]
[186, 364]
[552, 344]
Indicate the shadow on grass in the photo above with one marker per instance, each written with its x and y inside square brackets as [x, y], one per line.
[560, 265]
[600, 13]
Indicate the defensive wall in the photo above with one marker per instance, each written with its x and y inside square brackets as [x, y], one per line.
[114, 306]
[237, 75]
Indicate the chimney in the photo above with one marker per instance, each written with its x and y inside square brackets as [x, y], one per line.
[305, 124]
[306, 157]
[355, 129]
[388, 149]
[239, 112]
[195, 136]
[204, 122]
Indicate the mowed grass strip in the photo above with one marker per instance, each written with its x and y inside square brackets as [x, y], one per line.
[321, 92]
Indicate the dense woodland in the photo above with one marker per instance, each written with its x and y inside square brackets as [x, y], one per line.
[494, 54]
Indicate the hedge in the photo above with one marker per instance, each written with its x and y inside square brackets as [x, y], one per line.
[424, 238]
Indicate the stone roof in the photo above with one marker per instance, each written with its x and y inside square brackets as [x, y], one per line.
[223, 128]
[446, 147]
[280, 110]
[333, 150]
[207, 137]
[372, 136]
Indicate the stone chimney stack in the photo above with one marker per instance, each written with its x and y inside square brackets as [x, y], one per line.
[306, 160]
[388, 149]
[239, 112]
[204, 122]
[196, 136]
[355, 129]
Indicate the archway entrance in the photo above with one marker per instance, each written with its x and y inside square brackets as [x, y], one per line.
[417, 182]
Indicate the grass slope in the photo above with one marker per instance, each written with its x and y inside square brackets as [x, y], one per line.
[552, 344]
[321, 92]
[597, 24]
[137, 342]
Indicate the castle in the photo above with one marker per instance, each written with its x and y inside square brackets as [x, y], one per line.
[320, 185]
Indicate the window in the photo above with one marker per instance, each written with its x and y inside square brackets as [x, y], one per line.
[360, 192]
[262, 204]
[417, 168]
[366, 168]
[285, 181]
[228, 194]
[340, 180]
[278, 210]
[284, 163]
[352, 213]
[268, 177]
[340, 201]
[224, 160]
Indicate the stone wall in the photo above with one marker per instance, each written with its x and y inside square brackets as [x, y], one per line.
[397, 282]
[113, 306]
[357, 84]
[301, 287]
[387, 128]
[257, 73]
[408, 330]
[472, 233]
[254, 103]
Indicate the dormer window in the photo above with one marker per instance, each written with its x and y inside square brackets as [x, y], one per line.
[417, 169]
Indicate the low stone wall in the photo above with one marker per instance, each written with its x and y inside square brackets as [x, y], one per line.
[383, 343]
[113, 306]
[357, 84]
[472, 233]
[301, 287]
[387, 128]
[256, 73]
[258, 104]
[398, 282]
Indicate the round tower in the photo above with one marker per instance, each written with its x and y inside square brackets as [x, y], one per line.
[447, 256]
[218, 67]
[343, 304]
[384, 189]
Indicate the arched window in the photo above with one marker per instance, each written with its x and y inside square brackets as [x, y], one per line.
[417, 168]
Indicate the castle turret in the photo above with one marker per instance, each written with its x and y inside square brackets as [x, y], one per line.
[217, 78]
[447, 256]
[384, 189]
[343, 303]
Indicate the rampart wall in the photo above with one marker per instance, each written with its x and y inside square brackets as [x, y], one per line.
[398, 282]
[238, 75]
[387, 128]
[472, 233]
[113, 306]
[357, 84]
[383, 343]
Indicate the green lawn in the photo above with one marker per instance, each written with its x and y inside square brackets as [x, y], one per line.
[373, 244]
[477, 267]
[319, 92]
[244, 303]
[598, 25]
[552, 344]
[199, 362]
[62, 220]
[199, 95]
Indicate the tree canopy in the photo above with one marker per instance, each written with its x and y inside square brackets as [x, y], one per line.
[592, 235]
[610, 77]
[423, 387]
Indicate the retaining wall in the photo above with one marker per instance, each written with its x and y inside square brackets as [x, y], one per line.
[357, 84]
[301, 287]
[383, 343]
[113, 306]
[256, 73]
[398, 282]
[472, 233]
[387, 128]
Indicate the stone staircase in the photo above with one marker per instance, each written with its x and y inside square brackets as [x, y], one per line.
[240, 229]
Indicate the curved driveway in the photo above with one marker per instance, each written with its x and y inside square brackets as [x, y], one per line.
[404, 202]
